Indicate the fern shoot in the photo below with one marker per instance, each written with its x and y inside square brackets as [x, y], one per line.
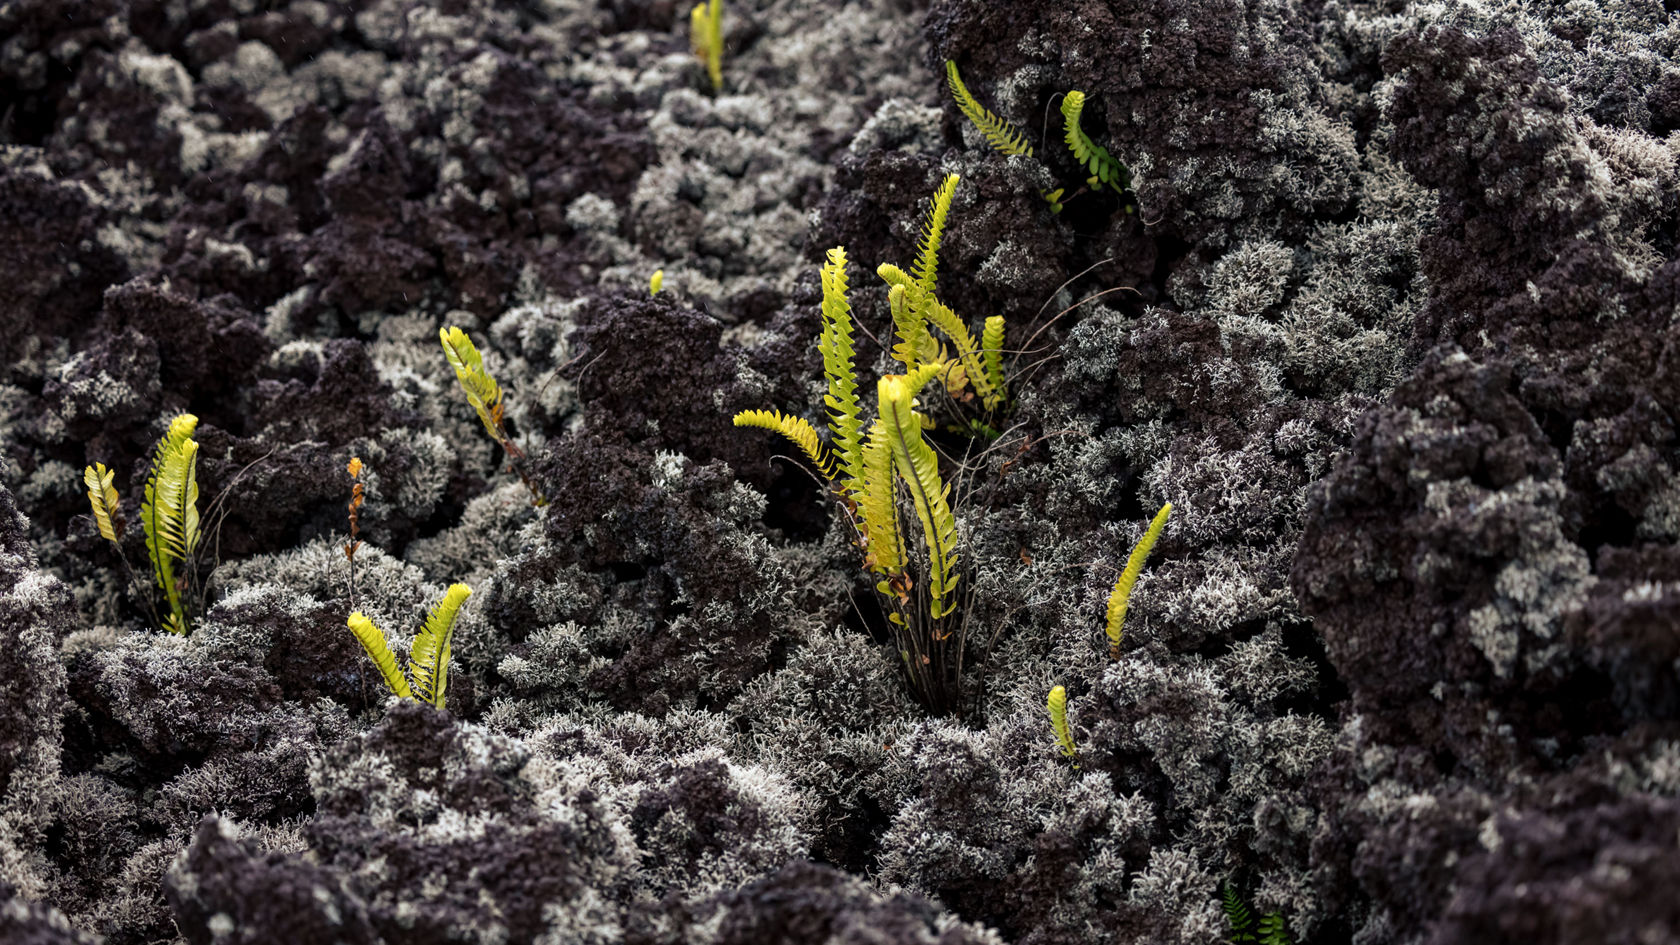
[373, 642]
[485, 396]
[1120, 598]
[918, 467]
[1269, 930]
[1002, 135]
[102, 496]
[169, 513]
[705, 37]
[1057, 704]
[428, 658]
[656, 282]
[1104, 169]
[845, 425]
[991, 351]
[1272, 930]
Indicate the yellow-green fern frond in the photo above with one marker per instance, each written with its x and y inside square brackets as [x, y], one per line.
[372, 640]
[482, 391]
[845, 424]
[926, 268]
[1057, 703]
[102, 496]
[916, 346]
[797, 429]
[169, 512]
[991, 350]
[892, 275]
[968, 353]
[919, 468]
[656, 282]
[705, 36]
[1104, 169]
[883, 544]
[428, 658]
[1120, 598]
[1000, 133]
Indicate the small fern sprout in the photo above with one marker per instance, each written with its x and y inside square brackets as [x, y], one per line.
[705, 36]
[1269, 930]
[1105, 171]
[169, 514]
[485, 396]
[1120, 598]
[1057, 704]
[656, 282]
[428, 657]
[102, 495]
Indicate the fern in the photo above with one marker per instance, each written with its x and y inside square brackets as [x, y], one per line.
[1104, 169]
[797, 429]
[482, 391]
[169, 513]
[656, 282]
[919, 468]
[1120, 598]
[915, 346]
[845, 425]
[926, 267]
[1237, 914]
[102, 496]
[372, 640]
[1272, 930]
[1057, 704]
[991, 350]
[1002, 135]
[968, 354]
[485, 395]
[882, 541]
[705, 36]
[428, 658]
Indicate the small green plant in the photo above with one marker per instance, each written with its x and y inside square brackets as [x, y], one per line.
[485, 396]
[1120, 598]
[1103, 169]
[1057, 704]
[705, 36]
[428, 656]
[168, 515]
[1269, 930]
[656, 282]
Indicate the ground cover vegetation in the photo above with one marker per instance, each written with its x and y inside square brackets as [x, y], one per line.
[1261, 528]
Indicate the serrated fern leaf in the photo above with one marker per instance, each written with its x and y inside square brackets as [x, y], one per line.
[482, 391]
[1002, 135]
[1104, 169]
[942, 318]
[991, 350]
[169, 512]
[797, 429]
[919, 468]
[102, 496]
[428, 658]
[373, 642]
[1272, 930]
[926, 268]
[916, 345]
[1237, 914]
[1120, 598]
[1057, 704]
[845, 425]
[883, 543]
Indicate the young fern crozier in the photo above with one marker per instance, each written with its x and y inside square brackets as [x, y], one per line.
[1002, 136]
[1104, 169]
